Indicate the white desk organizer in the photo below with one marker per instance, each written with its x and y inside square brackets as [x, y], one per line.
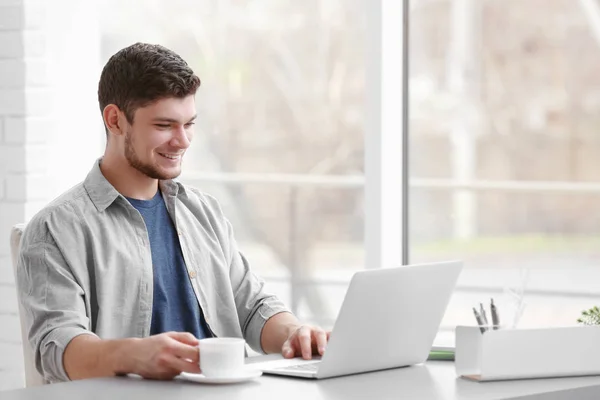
[527, 353]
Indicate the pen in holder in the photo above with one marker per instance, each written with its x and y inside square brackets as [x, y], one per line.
[482, 318]
[512, 306]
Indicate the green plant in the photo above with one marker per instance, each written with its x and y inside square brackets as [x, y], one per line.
[590, 317]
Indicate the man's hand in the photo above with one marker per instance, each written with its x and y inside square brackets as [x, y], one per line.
[161, 356]
[164, 356]
[305, 341]
[284, 333]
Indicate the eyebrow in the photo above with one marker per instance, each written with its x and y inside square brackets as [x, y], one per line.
[171, 120]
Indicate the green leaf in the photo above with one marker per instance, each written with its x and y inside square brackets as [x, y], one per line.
[590, 317]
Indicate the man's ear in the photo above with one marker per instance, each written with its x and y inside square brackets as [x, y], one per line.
[113, 119]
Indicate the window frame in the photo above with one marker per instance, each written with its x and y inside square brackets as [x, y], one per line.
[386, 134]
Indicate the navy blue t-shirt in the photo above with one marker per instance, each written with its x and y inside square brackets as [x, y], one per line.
[174, 306]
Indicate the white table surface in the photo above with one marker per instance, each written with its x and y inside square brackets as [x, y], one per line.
[432, 380]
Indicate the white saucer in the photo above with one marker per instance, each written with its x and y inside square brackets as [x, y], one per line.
[245, 375]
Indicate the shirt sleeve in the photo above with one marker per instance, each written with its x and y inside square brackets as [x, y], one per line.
[254, 304]
[52, 302]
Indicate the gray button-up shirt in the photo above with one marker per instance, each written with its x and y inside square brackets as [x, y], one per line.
[85, 267]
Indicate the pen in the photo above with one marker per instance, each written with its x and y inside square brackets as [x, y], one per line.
[495, 318]
[483, 316]
[482, 327]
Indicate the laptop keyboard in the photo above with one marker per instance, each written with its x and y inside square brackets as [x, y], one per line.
[309, 367]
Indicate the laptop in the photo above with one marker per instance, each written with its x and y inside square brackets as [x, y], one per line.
[389, 319]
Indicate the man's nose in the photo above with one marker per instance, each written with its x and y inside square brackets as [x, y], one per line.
[180, 138]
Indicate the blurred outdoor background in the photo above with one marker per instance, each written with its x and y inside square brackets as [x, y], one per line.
[504, 146]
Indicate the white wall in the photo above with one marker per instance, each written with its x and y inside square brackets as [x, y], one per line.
[50, 127]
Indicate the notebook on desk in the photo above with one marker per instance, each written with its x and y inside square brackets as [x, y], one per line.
[441, 355]
[389, 319]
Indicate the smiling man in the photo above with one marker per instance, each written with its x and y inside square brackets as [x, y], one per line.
[127, 270]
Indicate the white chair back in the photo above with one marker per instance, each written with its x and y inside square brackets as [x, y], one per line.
[32, 376]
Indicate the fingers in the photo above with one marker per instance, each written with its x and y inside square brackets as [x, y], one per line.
[288, 349]
[171, 362]
[161, 374]
[175, 344]
[183, 337]
[305, 342]
[320, 339]
[185, 351]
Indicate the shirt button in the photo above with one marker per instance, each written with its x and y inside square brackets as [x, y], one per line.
[179, 232]
[192, 274]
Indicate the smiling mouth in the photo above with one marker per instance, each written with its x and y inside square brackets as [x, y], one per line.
[171, 156]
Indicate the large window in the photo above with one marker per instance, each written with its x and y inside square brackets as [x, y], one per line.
[279, 139]
[504, 146]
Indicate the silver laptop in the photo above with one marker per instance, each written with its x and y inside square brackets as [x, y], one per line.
[389, 319]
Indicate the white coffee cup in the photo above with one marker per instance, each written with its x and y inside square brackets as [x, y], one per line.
[221, 357]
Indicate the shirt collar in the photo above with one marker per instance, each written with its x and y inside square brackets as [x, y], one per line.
[103, 194]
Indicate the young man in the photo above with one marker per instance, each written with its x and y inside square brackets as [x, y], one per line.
[127, 270]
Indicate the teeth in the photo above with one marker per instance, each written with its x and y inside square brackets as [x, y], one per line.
[172, 157]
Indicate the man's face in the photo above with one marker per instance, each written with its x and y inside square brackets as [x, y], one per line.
[159, 136]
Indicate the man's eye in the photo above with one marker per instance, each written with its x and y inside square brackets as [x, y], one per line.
[163, 126]
[189, 124]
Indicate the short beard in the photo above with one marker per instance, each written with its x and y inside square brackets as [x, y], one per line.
[146, 169]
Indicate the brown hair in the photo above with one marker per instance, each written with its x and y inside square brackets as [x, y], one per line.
[141, 74]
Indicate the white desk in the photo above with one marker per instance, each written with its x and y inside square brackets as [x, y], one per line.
[433, 380]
